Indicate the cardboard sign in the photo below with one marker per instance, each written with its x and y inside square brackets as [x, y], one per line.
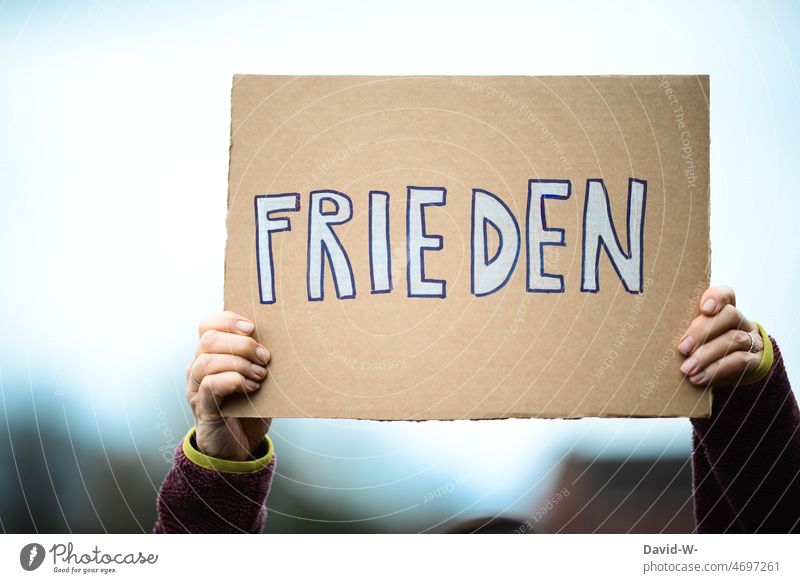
[469, 247]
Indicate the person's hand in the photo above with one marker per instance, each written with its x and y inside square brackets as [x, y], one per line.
[227, 361]
[717, 344]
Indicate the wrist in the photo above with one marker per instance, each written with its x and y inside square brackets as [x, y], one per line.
[253, 461]
[230, 452]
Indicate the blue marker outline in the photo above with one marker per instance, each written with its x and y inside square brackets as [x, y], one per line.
[325, 250]
[288, 227]
[616, 237]
[425, 237]
[388, 245]
[546, 229]
[486, 225]
[486, 260]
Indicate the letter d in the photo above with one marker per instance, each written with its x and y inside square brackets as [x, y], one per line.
[489, 275]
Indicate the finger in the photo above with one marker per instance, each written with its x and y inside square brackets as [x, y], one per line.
[226, 322]
[725, 343]
[715, 298]
[206, 364]
[706, 328]
[216, 387]
[216, 342]
[727, 370]
[191, 398]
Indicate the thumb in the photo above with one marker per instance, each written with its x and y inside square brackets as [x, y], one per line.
[715, 298]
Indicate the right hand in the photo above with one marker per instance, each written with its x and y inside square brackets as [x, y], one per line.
[717, 343]
[227, 361]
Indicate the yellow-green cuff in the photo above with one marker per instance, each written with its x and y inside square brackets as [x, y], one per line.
[220, 465]
[767, 358]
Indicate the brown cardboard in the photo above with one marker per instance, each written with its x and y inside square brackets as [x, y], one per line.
[507, 354]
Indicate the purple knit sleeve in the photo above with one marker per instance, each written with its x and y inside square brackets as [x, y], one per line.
[194, 499]
[746, 458]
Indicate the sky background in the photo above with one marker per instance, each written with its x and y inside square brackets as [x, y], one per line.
[114, 132]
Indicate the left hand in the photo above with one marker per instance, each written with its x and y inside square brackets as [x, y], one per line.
[228, 361]
[716, 346]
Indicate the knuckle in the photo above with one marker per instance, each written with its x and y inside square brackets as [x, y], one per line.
[208, 384]
[729, 293]
[701, 356]
[208, 338]
[205, 324]
[240, 364]
[203, 361]
[231, 380]
[700, 327]
[250, 345]
[694, 324]
[741, 337]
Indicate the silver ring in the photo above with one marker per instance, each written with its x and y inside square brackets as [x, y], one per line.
[752, 342]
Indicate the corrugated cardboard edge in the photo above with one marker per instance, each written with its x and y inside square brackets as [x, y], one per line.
[705, 85]
[234, 81]
[228, 203]
[495, 415]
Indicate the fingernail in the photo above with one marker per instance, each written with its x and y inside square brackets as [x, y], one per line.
[710, 305]
[252, 384]
[686, 345]
[263, 355]
[698, 378]
[245, 326]
[688, 365]
[259, 371]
